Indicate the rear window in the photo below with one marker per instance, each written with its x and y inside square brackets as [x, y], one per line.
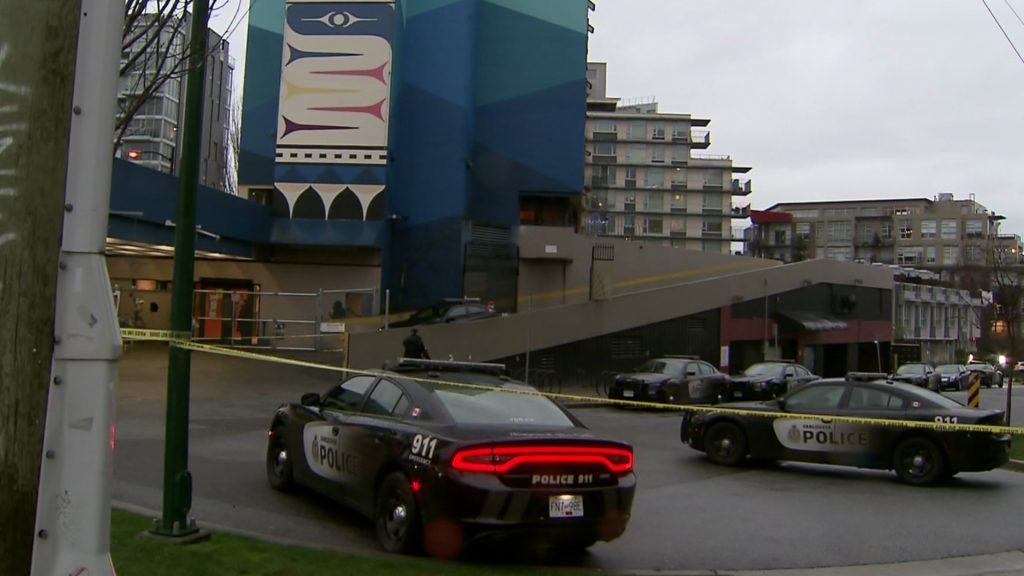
[472, 406]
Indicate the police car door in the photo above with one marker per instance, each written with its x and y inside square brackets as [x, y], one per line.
[331, 443]
[810, 439]
[869, 444]
[381, 434]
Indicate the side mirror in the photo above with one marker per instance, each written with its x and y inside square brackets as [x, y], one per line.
[311, 399]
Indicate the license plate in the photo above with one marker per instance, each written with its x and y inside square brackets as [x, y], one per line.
[627, 393]
[565, 506]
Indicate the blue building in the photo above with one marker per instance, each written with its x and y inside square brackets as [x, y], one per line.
[418, 134]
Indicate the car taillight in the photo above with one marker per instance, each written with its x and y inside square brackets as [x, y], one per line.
[501, 459]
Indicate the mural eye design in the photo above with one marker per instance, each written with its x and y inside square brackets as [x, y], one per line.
[339, 19]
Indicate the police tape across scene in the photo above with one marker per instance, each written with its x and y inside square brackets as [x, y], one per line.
[182, 340]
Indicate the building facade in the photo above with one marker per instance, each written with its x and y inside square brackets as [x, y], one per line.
[152, 137]
[941, 235]
[645, 182]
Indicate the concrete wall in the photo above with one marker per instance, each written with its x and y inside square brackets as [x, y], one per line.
[691, 282]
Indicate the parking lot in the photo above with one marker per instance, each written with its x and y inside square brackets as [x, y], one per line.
[689, 514]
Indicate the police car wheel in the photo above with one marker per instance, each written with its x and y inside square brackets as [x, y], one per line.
[919, 461]
[397, 518]
[725, 444]
[279, 465]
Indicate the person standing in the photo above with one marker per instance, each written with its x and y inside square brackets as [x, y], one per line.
[414, 346]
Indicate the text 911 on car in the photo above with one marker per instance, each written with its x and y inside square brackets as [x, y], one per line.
[442, 454]
[920, 456]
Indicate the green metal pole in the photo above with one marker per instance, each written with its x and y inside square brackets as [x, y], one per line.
[177, 479]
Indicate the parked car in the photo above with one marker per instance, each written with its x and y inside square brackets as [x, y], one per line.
[672, 380]
[952, 376]
[765, 380]
[919, 374]
[989, 375]
[434, 445]
[920, 456]
[447, 311]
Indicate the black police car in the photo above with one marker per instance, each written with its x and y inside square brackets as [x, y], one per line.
[918, 455]
[764, 380]
[443, 454]
[671, 379]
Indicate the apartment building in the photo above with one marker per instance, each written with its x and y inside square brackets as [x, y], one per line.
[645, 182]
[152, 137]
[944, 323]
[941, 234]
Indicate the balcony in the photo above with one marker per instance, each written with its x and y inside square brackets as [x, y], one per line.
[605, 137]
[601, 159]
[740, 188]
[700, 139]
[741, 211]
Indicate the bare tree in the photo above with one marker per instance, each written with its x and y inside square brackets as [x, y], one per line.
[154, 52]
[1008, 293]
[233, 149]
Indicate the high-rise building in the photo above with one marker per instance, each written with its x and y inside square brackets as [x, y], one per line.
[643, 180]
[156, 53]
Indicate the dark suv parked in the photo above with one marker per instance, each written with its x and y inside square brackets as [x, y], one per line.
[673, 380]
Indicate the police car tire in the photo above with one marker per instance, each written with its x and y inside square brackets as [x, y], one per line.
[279, 476]
[725, 432]
[933, 465]
[402, 536]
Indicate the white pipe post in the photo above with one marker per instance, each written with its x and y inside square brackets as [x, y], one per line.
[73, 509]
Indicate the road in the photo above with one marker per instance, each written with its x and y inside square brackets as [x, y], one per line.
[688, 513]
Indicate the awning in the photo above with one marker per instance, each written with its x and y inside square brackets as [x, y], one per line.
[811, 321]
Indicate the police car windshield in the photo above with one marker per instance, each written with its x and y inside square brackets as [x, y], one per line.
[762, 369]
[911, 369]
[659, 367]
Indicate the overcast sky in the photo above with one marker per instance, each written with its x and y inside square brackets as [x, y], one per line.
[826, 99]
[836, 99]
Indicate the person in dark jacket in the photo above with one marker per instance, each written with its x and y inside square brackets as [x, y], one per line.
[414, 347]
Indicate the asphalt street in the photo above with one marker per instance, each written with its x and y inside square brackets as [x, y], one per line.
[690, 517]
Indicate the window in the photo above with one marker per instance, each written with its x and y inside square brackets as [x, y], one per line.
[658, 154]
[658, 132]
[473, 407]
[349, 394]
[865, 398]
[680, 154]
[680, 132]
[803, 230]
[603, 176]
[604, 149]
[630, 181]
[974, 229]
[841, 253]
[811, 398]
[780, 238]
[886, 231]
[712, 202]
[928, 229]
[804, 214]
[710, 228]
[949, 229]
[678, 203]
[637, 154]
[638, 130]
[604, 126]
[386, 399]
[929, 254]
[909, 256]
[906, 230]
[654, 226]
[654, 201]
[840, 231]
[712, 178]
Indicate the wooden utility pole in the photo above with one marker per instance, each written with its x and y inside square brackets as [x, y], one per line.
[38, 42]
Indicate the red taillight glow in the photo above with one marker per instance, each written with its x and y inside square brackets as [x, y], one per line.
[501, 459]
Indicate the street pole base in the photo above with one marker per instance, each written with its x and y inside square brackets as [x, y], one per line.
[178, 534]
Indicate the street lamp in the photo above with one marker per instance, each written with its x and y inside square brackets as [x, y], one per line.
[137, 156]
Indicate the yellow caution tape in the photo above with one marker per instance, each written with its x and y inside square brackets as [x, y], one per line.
[181, 340]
